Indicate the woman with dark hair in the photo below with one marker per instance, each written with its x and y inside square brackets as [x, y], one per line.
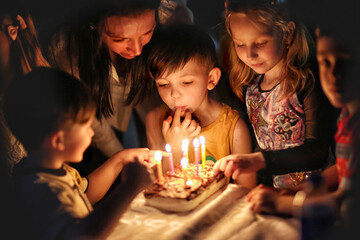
[107, 52]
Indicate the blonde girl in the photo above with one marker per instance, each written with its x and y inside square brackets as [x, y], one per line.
[269, 72]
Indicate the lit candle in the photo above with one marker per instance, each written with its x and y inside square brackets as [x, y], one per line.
[185, 148]
[171, 160]
[184, 164]
[158, 157]
[197, 155]
[189, 182]
[203, 157]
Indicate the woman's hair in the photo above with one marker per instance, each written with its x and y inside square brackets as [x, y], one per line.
[174, 46]
[45, 101]
[296, 54]
[93, 60]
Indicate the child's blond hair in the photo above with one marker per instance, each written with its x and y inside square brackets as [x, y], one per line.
[295, 56]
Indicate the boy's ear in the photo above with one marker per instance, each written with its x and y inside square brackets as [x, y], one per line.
[214, 77]
[57, 140]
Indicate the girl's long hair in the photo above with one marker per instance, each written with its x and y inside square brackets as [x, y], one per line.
[296, 72]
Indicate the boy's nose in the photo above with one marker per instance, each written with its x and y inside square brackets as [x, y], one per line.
[175, 94]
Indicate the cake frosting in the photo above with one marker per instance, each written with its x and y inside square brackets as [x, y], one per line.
[184, 190]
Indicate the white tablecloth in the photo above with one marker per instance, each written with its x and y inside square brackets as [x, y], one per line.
[225, 215]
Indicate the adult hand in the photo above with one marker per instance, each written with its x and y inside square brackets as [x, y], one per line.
[173, 128]
[234, 164]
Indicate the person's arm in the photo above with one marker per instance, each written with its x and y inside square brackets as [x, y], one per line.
[313, 154]
[101, 222]
[242, 144]
[271, 200]
[154, 134]
[331, 178]
[101, 179]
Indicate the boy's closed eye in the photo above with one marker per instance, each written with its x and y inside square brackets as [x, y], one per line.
[118, 39]
[162, 84]
[261, 44]
[187, 82]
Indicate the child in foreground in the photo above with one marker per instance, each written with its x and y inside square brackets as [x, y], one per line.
[182, 63]
[51, 113]
[270, 74]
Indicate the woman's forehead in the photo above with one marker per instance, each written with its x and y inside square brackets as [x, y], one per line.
[115, 25]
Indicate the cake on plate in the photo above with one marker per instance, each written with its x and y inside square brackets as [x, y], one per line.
[183, 190]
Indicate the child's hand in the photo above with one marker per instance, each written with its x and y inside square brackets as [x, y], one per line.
[233, 164]
[264, 199]
[173, 128]
[128, 155]
[136, 175]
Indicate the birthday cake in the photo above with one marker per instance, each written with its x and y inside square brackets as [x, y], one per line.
[184, 189]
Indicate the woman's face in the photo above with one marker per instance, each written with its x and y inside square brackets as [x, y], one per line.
[127, 35]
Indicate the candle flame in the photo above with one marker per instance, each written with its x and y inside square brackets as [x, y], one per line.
[184, 162]
[202, 140]
[189, 182]
[168, 148]
[158, 156]
[196, 143]
[185, 145]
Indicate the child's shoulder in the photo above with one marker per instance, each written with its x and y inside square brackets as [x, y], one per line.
[227, 114]
[229, 110]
